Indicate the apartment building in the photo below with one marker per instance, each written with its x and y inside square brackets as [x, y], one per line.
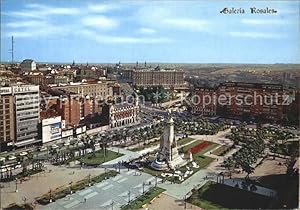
[27, 108]
[239, 99]
[7, 124]
[203, 102]
[19, 115]
[97, 90]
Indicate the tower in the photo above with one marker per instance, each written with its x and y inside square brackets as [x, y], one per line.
[168, 155]
[11, 51]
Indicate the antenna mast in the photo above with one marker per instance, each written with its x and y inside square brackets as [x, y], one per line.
[11, 51]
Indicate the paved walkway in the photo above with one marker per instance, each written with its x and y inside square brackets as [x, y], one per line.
[127, 156]
[39, 184]
[109, 194]
[179, 191]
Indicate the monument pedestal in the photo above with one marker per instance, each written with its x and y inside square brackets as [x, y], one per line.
[168, 156]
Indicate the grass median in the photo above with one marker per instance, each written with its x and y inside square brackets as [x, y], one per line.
[143, 199]
[98, 157]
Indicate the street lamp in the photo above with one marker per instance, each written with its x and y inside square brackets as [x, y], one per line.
[112, 205]
[128, 197]
[71, 187]
[89, 179]
[50, 196]
[16, 185]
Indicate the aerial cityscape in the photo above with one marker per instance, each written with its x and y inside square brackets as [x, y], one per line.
[152, 105]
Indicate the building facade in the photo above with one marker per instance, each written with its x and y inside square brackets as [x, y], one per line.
[122, 114]
[27, 108]
[74, 108]
[68, 108]
[7, 123]
[156, 77]
[203, 102]
[253, 99]
[19, 115]
[237, 99]
[99, 90]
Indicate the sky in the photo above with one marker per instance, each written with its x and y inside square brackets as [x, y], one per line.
[153, 31]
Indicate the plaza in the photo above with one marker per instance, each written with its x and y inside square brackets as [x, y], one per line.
[116, 192]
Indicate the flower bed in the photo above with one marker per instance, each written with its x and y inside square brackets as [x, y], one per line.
[199, 147]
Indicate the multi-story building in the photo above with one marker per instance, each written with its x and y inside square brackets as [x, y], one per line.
[122, 114]
[203, 102]
[7, 123]
[20, 115]
[68, 107]
[255, 99]
[27, 108]
[28, 65]
[239, 99]
[38, 78]
[170, 79]
[74, 108]
[97, 90]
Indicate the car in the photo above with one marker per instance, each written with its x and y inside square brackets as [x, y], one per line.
[54, 146]
[67, 143]
[2, 159]
[23, 154]
[11, 157]
[40, 149]
[18, 166]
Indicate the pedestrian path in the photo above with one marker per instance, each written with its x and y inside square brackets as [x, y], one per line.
[109, 194]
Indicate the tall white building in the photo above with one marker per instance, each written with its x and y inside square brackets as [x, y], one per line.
[28, 65]
[27, 112]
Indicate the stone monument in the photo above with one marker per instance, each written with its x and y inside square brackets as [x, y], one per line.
[168, 156]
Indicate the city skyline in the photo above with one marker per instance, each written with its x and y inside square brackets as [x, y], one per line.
[165, 32]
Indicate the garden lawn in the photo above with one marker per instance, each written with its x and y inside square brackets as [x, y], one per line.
[98, 159]
[151, 144]
[189, 146]
[143, 199]
[218, 196]
[221, 151]
[184, 141]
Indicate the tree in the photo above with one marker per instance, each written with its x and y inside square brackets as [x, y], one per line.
[247, 169]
